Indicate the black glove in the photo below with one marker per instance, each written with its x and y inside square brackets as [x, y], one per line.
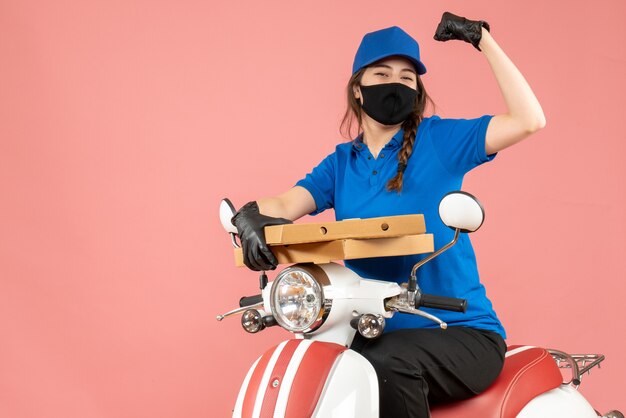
[457, 27]
[250, 223]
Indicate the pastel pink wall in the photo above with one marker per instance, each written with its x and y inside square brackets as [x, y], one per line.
[123, 124]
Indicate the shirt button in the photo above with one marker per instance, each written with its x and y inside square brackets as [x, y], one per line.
[369, 157]
[382, 155]
[374, 172]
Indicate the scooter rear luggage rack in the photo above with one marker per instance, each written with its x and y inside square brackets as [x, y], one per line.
[579, 363]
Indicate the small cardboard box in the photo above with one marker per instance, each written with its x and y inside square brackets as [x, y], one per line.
[381, 227]
[347, 249]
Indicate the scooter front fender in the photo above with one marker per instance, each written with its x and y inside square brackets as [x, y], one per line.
[304, 378]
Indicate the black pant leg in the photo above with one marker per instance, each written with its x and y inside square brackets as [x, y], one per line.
[418, 367]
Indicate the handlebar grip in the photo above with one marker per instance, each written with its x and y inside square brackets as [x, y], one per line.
[441, 302]
[250, 300]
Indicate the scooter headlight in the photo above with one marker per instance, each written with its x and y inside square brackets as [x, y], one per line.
[297, 298]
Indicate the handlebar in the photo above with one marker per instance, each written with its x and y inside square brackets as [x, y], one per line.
[440, 302]
[250, 300]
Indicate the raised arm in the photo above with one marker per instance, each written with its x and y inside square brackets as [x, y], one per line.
[524, 115]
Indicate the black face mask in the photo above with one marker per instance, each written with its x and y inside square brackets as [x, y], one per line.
[388, 103]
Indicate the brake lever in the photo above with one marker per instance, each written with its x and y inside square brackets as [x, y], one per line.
[397, 305]
[238, 310]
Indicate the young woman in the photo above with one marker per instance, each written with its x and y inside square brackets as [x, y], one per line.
[402, 162]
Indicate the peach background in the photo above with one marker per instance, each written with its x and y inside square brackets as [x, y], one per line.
[123, 123]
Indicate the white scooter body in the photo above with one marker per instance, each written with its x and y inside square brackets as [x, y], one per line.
[564, 401]
[350, 387]
[317, 375]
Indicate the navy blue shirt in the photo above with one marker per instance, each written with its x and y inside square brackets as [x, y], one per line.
[353, 182]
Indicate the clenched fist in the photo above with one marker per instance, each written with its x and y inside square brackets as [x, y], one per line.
[458, 27]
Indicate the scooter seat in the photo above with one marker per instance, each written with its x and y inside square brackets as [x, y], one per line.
[528, 371]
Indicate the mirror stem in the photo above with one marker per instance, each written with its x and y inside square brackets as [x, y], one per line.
[412, 287]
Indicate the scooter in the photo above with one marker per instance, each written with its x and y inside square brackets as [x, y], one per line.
[315, 374]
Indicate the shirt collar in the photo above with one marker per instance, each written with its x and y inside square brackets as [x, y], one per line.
[394, 142]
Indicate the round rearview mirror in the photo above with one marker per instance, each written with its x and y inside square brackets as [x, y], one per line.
[227, 211]
[460, 210]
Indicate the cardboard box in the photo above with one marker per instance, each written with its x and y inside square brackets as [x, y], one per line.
[347, 249]
[381, 227]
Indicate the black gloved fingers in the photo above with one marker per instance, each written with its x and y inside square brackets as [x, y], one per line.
[442, 34]
[445, 29]
[262, 259]
[250, 225]
[269, 256]
[249, 258]
[257, 255]
[458, 27]
[256, 259]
